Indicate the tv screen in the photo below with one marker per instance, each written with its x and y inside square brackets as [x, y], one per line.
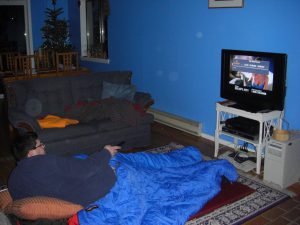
[254, 80]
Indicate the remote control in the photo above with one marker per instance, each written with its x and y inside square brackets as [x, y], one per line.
[121, 143]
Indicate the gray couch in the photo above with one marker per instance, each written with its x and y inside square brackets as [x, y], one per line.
[29, 100]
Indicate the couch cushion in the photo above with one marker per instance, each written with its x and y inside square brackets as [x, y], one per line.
[53, 94]
[33, 107]
[116, 77]
[89, 87]
[69, 132]
[16, 94]
[108, 125]
[86, 88]
[147, 118]
[86, 144]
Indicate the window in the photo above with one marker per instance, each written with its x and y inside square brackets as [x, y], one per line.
[21, 23]
[93, 28]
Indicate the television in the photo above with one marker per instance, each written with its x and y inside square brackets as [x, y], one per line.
[255, 81]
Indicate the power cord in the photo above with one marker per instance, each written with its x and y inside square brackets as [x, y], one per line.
[239, 154]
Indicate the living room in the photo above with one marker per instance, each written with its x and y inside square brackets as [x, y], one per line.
[177, 57]
[174, 49]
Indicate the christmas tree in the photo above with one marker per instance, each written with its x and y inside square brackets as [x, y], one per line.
[55, 31]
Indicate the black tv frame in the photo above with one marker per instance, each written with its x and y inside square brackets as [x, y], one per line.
[273, 100]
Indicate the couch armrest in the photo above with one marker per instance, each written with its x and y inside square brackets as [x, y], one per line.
[143, 99]
[22, 122]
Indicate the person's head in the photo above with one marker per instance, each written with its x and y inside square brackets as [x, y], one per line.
[28, 145]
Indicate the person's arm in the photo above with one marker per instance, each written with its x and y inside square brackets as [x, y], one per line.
[105, 154]
[69, 166]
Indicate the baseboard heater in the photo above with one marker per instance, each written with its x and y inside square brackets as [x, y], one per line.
[180, 123]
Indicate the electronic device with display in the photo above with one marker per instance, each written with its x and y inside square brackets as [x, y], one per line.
[254, 80]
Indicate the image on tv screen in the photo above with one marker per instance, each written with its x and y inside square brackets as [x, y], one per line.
[251, 74]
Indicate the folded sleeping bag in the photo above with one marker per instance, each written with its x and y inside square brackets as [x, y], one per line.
[157, 188]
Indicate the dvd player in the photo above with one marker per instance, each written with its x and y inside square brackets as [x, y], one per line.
[240, 133]
[243, 127]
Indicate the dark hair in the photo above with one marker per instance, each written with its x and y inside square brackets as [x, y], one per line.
[23, 144]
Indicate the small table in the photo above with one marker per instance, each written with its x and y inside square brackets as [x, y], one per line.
[266, 119]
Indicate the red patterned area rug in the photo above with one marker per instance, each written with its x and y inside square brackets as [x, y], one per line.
[237, 202]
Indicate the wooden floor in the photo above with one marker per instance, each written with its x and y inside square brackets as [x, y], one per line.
[285, 213]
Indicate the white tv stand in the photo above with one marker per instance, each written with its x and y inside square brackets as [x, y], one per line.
[266, 119]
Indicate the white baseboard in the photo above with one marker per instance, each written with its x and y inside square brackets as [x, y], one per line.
[184, 124]
[178, 122]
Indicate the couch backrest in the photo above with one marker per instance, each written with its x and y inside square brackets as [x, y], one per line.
[41, 96]
[91, 89]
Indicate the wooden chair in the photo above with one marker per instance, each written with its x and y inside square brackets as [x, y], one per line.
[8, 61]
[23, 66]
[67, 61]
[44, 60]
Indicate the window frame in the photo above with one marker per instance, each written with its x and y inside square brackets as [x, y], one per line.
[27, 19]
[83, 37]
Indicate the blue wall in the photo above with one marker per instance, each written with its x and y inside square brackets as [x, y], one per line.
[173, 48]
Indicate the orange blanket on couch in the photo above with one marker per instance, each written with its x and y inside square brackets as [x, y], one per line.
[51, 121]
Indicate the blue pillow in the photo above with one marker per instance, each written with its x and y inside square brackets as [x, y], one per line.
[124, 91]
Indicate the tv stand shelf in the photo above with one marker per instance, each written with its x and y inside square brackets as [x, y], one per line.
[266, 119]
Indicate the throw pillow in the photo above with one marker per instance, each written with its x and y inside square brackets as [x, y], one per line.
[124, 91]
[5, 198]
[34, 208]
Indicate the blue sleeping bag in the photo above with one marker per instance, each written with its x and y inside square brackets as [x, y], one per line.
[158, 188]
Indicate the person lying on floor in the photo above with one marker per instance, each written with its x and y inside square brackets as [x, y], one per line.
[157, 188]
[68, 178]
